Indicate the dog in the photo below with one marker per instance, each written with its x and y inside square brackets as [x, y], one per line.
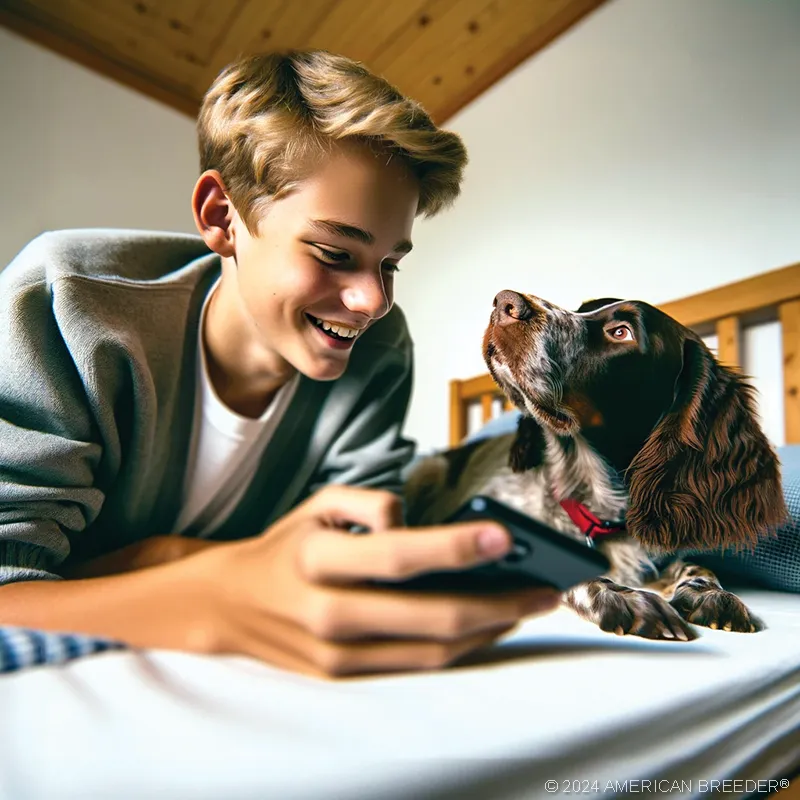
[632, 435]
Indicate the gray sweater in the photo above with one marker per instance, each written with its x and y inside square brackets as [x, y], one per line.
[98, 338]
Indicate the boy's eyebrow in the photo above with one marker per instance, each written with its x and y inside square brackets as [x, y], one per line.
[353, 232]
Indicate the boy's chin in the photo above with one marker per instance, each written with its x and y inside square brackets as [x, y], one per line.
[323, 369]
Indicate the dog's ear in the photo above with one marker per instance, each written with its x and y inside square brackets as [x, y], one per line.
[527, 451]
[707, 477]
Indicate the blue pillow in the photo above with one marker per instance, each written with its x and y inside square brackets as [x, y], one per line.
[773, 564]
[499, 426]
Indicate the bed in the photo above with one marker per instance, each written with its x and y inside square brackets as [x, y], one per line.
[558, 707]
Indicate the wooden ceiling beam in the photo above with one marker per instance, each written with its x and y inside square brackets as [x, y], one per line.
[97, 61]
[541, 38]
[444, 53]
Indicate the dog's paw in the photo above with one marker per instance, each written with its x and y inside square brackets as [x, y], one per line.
[629, 611]
[703, 604]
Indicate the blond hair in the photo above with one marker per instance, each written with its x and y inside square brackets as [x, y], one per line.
[265, 116]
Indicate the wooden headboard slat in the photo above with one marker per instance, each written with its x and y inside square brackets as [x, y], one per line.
[458, 413]
[729, 341]
[487, 407]
[735, 299]
[475, 387]
[789, 314]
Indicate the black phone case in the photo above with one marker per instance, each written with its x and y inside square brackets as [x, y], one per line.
[541, 556]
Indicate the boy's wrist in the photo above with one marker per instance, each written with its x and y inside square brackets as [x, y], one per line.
[174, 606]
[150, 552]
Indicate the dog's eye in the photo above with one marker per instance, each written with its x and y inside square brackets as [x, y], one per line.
[620, 333]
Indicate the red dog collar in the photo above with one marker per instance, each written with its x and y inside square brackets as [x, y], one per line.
[589, 525]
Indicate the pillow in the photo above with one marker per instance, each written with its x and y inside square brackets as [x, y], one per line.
[499, 426]
[773, 564]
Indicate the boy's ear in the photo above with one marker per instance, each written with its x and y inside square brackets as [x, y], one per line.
[213, 213]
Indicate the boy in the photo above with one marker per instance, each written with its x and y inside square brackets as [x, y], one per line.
[156, 384]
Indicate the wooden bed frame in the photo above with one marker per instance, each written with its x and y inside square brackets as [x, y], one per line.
[773, 295]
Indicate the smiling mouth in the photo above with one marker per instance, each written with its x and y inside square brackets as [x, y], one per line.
[336, 331]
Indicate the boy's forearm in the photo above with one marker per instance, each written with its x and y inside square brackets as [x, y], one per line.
[171, 606]
[149, 552]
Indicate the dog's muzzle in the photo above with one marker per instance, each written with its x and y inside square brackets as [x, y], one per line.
[511, 307]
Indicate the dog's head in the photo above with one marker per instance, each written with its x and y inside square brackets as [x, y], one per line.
[650, 397]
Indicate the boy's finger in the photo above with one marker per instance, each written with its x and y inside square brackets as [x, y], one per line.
[344, 614]
[290, 646]
[342, 506]
[329, 556]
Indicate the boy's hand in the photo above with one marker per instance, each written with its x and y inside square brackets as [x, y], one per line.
[298, 595]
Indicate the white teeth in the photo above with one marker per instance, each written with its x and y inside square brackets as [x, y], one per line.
[339, 330]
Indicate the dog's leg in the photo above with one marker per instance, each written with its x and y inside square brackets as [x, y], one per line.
[622, 610]
[697, 595]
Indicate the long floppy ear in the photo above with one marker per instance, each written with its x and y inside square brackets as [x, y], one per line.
[707, 477]
[527, 451]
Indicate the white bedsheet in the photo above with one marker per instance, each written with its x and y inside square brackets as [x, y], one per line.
[558, 701]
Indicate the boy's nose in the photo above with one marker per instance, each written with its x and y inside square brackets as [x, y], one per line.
[368, 296]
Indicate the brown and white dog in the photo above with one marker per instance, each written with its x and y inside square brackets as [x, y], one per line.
[633, 435]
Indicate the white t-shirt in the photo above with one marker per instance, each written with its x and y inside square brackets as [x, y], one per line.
[225, 449]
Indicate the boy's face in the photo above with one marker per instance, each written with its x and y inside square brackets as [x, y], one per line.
[321, 270]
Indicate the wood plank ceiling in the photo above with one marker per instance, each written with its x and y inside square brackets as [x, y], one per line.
[444, 53]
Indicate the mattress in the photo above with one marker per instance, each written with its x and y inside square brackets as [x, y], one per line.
[558, 707]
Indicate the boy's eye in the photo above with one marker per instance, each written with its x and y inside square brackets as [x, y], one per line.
[390, 267]
[331, 256]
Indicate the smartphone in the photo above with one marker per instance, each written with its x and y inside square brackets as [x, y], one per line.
[540, 556]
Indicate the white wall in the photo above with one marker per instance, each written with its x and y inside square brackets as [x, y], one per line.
[77, 150]
[651, 153]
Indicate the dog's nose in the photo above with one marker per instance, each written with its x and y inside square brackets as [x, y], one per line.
[511, 307]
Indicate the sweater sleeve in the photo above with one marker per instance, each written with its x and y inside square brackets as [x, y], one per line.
[49, 443]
